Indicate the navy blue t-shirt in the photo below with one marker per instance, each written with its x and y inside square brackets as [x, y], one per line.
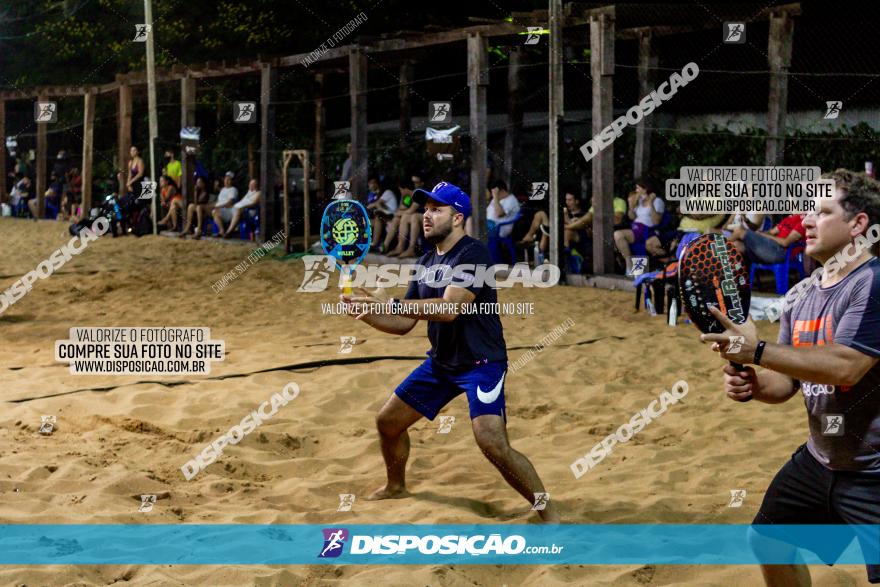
[472, 338]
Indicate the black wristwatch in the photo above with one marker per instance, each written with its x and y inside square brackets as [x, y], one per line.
[759, 350]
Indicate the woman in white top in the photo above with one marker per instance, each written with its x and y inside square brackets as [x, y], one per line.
[646, 211]
[250, 200]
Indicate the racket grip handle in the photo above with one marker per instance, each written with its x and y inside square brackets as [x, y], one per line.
[740, 367]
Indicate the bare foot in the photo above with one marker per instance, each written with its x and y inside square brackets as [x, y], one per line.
[549, 515]
[388, 493]
[408, 253]
[394, 253]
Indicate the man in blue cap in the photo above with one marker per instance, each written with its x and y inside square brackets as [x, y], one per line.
[468, 354]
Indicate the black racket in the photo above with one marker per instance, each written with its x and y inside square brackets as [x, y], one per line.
[712, 272]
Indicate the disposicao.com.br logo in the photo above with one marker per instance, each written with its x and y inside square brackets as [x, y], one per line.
[320, 268]
[431, 544]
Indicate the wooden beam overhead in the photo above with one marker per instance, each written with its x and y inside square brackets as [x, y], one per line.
[632, 20]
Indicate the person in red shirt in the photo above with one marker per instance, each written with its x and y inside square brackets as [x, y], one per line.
[768, 246]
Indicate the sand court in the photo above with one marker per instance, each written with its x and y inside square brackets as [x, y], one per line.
[119, 437]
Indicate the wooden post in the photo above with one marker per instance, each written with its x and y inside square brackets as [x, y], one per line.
[406, 77]
[187, 118]
[602, 72]
[268, 78]
[285, 162]
[357, 76]
[88, 140]
[554, 118]
[779, 58]
[478, 81]
[252, 163]
[3, 194]
[514, 115]
[304, 159]
[647, 62]
[319, 136]
[42, 155]
[123, 125]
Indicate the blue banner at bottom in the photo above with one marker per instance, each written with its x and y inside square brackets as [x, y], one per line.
[600, 544]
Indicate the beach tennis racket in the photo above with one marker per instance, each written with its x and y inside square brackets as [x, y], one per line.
[345, 235]
[711, 272]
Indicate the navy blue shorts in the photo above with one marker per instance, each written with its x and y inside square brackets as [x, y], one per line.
[806, 492]
[430, 387]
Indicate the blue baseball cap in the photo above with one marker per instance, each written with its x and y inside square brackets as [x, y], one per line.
[448, 194]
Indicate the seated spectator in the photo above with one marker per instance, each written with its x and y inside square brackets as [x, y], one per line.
[619, 206]
[577, 226]
[702, 223]
[55, 193]
[21, 193]
[753, 220]
[222, 210]
[173, 168]
[646, 211]
[21, 168]
[401, 225]
[61, 165]
[200, 208]
[417, 181]
[770, 246]
[173, 200]
[381, 208]
[503, 207]
[250, 200]
[70, 204]
[19, 189]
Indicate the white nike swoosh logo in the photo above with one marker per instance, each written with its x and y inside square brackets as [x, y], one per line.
[487, 397]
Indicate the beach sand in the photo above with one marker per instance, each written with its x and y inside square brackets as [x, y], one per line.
[118, 437]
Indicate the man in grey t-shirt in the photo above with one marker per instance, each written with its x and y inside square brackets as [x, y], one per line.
[828, 347]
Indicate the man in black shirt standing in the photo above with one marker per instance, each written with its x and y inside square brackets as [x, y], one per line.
[468, 354]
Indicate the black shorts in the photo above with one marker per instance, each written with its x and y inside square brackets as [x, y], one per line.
[806, 492]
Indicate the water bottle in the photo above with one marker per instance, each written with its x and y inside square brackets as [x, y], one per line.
[539, 256]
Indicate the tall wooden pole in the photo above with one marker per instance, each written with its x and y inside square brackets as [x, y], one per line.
[123, 125]
[187, 118]
[307, 202]
[478, 81]
[357, 76]
[42, 155]
[3, 193]
[555, 114]
[151, 103]
[285, 163]
[514, 115]
[406, 77]
[647, 62]
[779, 58]
[320, 180]
[602, 72]
[268, 79]
[88, 141]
